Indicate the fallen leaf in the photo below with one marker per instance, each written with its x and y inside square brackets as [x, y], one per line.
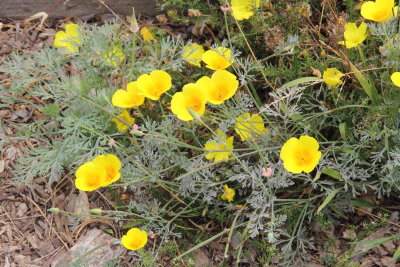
[162, 18]
[349, 234]
[194, 13]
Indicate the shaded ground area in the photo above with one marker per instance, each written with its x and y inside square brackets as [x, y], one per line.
[31, 236]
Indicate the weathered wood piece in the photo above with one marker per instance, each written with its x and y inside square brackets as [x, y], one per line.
[94, 249]
[20, 9]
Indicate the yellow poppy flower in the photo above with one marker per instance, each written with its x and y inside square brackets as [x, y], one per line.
[90, 176]
[146, 34]
[129, 98]
[193, 97]
[249, 126]
[126, 117]
[193, 53]
[353, 35]
[154, 85]
[134, 239]
[332, 77]
[379, 11]
[69, 38]
[244, 9]
[115, 57]
[221, 86]
[300, 154]
[219, 59]
[395, 77]
[228, 194]
[223, 143]
[111, 164]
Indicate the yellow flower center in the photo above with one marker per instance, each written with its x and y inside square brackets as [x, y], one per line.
[381, 13]
[135, 243]
[93, 181]
[194, 105]
[303, 157]
[110, 172]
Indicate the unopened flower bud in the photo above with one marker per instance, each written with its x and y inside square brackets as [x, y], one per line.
[95, 211]
[54, 210]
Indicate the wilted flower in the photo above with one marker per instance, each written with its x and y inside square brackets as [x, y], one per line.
[228, 194]
[219, 59]
[192, 97]
[379, 11]
[332, 77]
[223, 143]
[151, 234]
[135, 128]
[300, 154]
[225, 9]
[90, 176]
[353, 35]
[266, 172]
[129, 98]
[221, 86]
[192, 53]
[112, 166]
[249, 126]
[153, 85]
[395, 77]
[111, 142]
[244, 9]
[124, 115]
[68, 38]
[146, 34]
[134, 239]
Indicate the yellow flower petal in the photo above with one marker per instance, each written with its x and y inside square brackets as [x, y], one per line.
[288, 148]
[89, 177]
[71, 29]
[191, 97]
[68, 39]
[111, 164]
[222, 86]
[223, 143]
[146, 34]
[134, 239]
[193, 54]
[243, 9]
[249, 126]
[130, 98]
[395, 77]
[332, 77]
[308, 142]
[228, 194]
[115, 57]
[300, 154]
[124, 115]
[379, 11]
[353, 35]
[59, 39]
[219, 59]
[154, 85]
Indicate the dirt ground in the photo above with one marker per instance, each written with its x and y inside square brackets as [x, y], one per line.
[32, 236]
